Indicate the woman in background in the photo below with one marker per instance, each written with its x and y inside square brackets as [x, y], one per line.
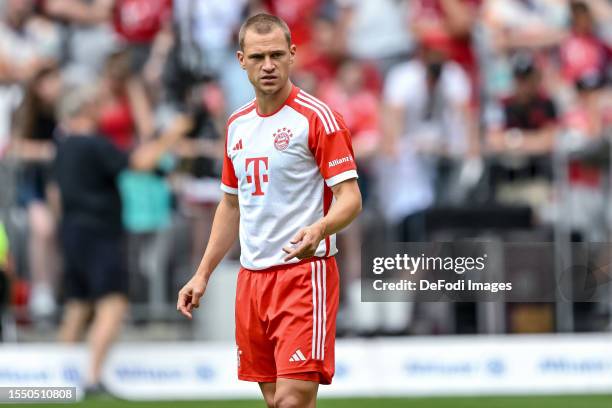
[126, 116]
[34, 128]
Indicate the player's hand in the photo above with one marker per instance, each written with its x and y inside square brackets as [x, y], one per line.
[189, 296]
[305, 242]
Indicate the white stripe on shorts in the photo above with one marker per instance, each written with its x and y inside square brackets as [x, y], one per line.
[324, 310]
[319, 308]
[314, 309]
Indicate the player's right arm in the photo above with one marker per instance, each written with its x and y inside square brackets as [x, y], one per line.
[222, 236]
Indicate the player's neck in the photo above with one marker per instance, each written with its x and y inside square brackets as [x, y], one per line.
[268, 104]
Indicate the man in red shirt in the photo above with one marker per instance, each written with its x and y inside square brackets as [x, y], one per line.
[287, 156]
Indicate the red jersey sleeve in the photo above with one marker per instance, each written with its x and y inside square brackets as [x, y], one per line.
[333, 151]
[229, 182]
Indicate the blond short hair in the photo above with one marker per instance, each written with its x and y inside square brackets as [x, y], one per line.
[263, 23]
[74, 99]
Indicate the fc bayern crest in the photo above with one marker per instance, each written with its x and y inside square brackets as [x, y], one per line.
[282, 137]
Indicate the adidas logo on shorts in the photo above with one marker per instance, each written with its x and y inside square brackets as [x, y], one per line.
[297, 356]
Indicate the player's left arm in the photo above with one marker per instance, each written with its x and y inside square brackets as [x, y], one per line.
[344, 210]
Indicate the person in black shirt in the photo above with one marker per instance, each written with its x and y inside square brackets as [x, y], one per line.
[522, 140]
[528, 119]
[86, 170]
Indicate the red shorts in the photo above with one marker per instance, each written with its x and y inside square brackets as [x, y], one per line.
[286, 321]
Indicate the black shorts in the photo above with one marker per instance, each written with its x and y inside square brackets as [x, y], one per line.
[94, 262]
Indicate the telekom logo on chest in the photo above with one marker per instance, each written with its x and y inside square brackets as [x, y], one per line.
[259, 175]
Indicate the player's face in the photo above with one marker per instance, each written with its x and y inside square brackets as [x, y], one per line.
[267, 59]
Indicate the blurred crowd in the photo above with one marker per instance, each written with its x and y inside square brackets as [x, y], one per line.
[459, 112]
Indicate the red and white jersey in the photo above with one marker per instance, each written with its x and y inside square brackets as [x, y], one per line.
[282, 166]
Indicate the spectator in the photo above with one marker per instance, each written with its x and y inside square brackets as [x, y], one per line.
[584, 127]
[451, 25]
[586, 116]
[205, 46]
[425, 119]
[139, 24]
[528, 116]
[583, 53]
[27, 43]
[125, 116]
[321, 56]
[452, 21]
[86, 170]
[88, 36]
[358, 106]
[427, 116]
[510, 26]
[34, 144]
[201, 153]
[79, 11]
[375, 30]
[299, 15]
[532, 24]
[348, 95]
[524, 131]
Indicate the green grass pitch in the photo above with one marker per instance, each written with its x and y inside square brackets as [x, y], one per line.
[603, 401]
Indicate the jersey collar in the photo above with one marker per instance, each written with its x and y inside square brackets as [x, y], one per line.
[292, 95]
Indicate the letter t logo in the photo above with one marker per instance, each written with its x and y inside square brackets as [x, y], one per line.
[256, 173]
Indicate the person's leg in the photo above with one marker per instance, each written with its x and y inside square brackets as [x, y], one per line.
[292, 393]
[76, 314]
[305, 299]
[42, 258]
[107, 284]
[78, 307]
[109, 313]
[255, 351]
[268, 389]
[307, 295]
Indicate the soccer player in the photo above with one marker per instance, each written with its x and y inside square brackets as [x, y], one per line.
[290, 185]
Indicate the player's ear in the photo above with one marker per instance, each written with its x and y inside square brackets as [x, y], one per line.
[292, 51]
[240, 56]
